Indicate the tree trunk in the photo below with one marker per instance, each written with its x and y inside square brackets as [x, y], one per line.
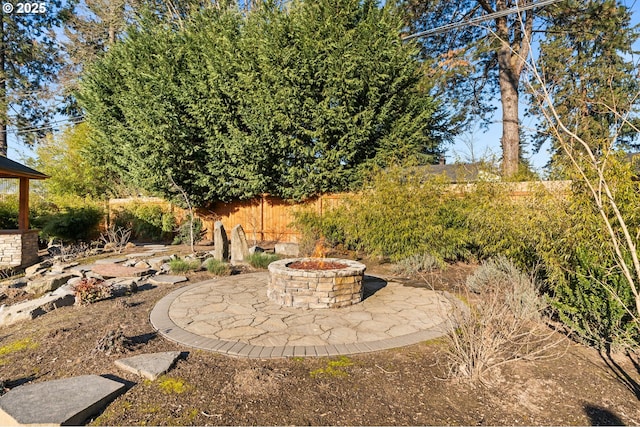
[510, 127]
[3, 93]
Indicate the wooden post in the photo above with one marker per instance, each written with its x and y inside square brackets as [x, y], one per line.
[23, 209]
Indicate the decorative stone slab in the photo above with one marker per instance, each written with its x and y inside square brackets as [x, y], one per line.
[221, 242]
[116, 270]
[111, 260]
[150, 366]
[69, 401]
[83, 268]
[154, 247]
[239, 247]
[287, 249]
[140, 255]
[158, 261]
[165, 279]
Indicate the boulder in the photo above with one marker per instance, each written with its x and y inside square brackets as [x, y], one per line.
[239, 247]
[38, 268]
[47, 283]
[221, 242]
[31, 309]
[255, 249]
[288, 249]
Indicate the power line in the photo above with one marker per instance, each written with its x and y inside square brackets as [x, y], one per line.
[479, 19]
[51, 125]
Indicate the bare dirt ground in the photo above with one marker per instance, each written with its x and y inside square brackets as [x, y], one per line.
[406, 386]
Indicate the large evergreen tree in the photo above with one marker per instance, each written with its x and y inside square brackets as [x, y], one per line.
[294, 101]
[29, 62]
[587, 69]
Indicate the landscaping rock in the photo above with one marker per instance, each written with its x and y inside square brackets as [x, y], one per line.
[117, 270]
[142, 264]
[35, 269]
[47, 283]
[16, 283]
[111, 260]
[150, 366]
[221, 242]
[69, 401]
[158, 261]
[255, 249]
[122, 287]
[288, 249]
[59, 268]
[31, 309]
[165, 279]
[239, 247]
[139, 255]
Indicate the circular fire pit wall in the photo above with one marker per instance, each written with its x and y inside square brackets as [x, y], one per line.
[322, 288]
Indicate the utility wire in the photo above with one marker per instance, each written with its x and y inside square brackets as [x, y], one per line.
[483, 18]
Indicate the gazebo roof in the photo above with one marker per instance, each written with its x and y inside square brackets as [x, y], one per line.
[12, 169]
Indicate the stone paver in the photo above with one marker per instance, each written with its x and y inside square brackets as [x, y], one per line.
[69, 401]
[117, 270]
[151, 365]
[111, 260]
[233, 315]
[165, 279]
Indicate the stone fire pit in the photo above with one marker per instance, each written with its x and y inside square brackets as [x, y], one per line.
[335, 283]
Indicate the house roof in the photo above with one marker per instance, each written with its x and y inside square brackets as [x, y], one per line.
[13, 169]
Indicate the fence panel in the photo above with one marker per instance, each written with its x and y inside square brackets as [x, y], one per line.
[270, 218]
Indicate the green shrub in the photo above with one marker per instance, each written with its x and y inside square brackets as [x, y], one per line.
[9, 213]
[72, 224]
[147, 222]
[261, 259]
[183, 235]
[219, 268]
[179, 265]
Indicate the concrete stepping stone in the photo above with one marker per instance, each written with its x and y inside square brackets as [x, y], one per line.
[154, 247]
[116, 270]
[111, 260]
[140, 255]
[69, 401]
[150, 366]
[166, 279]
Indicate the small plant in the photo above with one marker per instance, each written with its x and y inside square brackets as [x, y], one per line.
[90, 290]
[503, 324]
[16, 346]
[335, 368]
[115, 238]
[219, 268]
[179, 265]
[419, 263]
[170, 385]
[261, 259]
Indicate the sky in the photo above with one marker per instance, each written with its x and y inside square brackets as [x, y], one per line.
[472, 145]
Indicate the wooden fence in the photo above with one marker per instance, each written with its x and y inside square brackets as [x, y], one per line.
[262, 218]
[270, 218]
